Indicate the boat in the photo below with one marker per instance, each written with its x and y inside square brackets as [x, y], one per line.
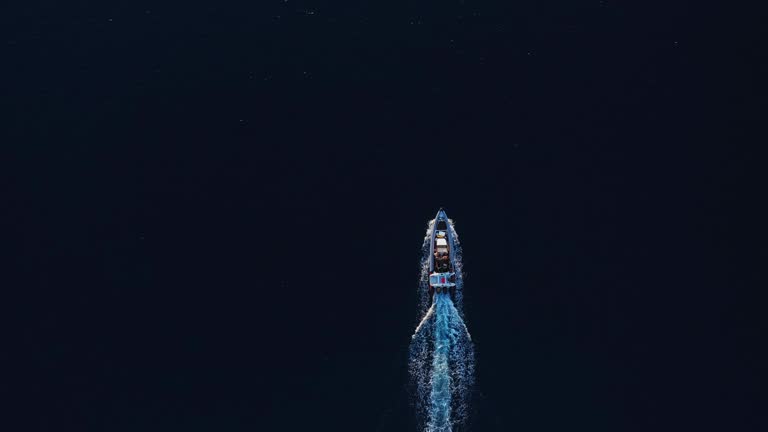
[442, 257]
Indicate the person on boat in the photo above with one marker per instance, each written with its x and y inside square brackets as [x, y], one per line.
[442, 260]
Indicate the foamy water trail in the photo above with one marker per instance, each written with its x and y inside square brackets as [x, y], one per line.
[461, 358]
[425, 320]
[440, 396]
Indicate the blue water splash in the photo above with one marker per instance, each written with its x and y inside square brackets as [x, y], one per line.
[442, 367]
[440, 397]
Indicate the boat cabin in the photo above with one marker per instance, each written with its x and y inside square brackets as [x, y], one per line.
[442, 278]
[442, 258]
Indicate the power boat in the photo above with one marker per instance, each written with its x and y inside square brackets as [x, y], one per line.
[442, 257]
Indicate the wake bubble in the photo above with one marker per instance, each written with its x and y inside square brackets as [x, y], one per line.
[441, 362]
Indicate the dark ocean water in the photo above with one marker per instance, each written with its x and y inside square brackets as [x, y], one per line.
[215, 211]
